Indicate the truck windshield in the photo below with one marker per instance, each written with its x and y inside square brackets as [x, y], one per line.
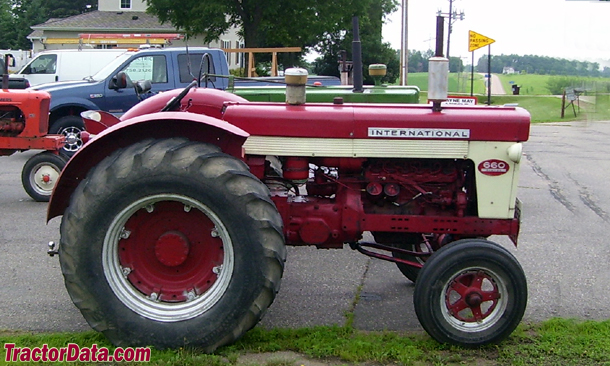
[107, 70]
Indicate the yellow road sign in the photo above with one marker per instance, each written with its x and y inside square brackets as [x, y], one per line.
[477, 41]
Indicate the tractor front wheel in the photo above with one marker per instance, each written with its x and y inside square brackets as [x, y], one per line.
[470, 293]
[40, 174]
[171, 243]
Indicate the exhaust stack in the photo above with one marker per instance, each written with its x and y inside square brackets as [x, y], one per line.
[438, 70]
[357, 57]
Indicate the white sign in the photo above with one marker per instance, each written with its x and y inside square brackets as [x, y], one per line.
[419, 133]
[460, 101]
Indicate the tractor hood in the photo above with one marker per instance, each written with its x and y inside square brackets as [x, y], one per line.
[380, 121]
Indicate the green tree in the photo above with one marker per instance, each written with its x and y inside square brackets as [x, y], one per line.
[455, 64]
[25, 14]
[7, 25]
[542, 65]
[262, 23]
[17, 17]
[373, 50]
[66, 8]
[312, 24]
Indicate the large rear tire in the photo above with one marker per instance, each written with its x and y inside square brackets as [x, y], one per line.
[470, 293]
[171, 243]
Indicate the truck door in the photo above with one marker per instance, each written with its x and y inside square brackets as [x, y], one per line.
[42, 69]
[192, 65]
[145, 67]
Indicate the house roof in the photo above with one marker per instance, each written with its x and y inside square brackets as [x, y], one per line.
[130, 21]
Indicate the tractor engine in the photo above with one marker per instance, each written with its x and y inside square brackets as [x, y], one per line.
[417, 187]
[318, 196]
[12, 121]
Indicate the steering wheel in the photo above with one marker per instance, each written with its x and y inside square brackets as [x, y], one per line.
[175, 101]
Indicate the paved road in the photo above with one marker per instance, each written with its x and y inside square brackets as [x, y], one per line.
[563, 249]
[496, 85]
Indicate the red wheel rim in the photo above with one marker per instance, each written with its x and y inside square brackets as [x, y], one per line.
[170, 253]
[472, 296]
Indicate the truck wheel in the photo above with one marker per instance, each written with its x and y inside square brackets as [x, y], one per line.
[71, 127]
[470, 293]
[40, 174]
[171, 243]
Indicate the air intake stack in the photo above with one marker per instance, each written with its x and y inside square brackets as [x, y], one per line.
[296, 79]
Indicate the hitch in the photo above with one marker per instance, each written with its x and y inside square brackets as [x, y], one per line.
[52, 251]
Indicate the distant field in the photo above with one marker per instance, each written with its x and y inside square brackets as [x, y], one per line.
[534, 96]
[457, 84]
[530, 84]
[546, 108]
[537, 84]
[602, 107]
[542, 109]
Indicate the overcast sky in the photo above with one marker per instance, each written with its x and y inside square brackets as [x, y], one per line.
[572, 29]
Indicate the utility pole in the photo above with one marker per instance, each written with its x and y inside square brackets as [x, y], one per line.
[404, 49]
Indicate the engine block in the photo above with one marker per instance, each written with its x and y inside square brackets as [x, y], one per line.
[417, 187]
[12, 121]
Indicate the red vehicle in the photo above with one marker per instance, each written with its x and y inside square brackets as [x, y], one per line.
[175, 220]
[24, 119]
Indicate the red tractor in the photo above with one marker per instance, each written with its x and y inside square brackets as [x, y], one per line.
[24, 120]
[175, 220]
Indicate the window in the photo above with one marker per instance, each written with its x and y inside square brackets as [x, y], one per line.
[239, 57]
[191, 66]
[45, 64]
[153, 68]
[227, 45]
[125, 4]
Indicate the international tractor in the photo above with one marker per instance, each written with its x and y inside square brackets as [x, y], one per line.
[176, 217]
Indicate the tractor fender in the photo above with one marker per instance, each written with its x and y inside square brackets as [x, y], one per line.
[198, 100]
[157, 125]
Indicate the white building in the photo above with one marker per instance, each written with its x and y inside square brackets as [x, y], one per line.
[118, 24]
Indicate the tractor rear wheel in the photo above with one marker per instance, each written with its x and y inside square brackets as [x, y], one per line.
[40, 174]
[470, 293]
[171, 243]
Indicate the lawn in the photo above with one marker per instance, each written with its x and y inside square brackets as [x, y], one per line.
[530, 84]
[458, 83]
[542, 107]
[554, 342]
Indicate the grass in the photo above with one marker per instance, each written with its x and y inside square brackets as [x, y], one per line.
[602, 107]
[530, 84]
[554, 342]
[458, 83]
[542, 108]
